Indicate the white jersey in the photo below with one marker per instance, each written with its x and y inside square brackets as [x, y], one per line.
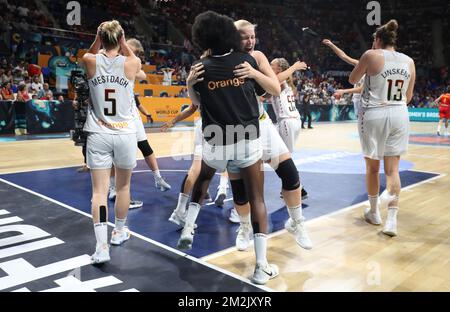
[111, 95]
[389, 86]
[284, 105]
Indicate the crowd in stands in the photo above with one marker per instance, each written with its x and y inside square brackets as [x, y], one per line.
[279, 33]
[23, 82]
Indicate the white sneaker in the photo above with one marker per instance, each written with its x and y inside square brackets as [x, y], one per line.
[101, 255]
[234, 216]
[372, 217]
[186, 238]
[134, 204]
[244, 236]
[299, 231]
[264, 273]
[390, 228]
[162, 185]
[119, 237]
[112, 193]
[179, 219]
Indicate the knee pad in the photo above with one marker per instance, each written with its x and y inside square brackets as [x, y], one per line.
[145, 148]
[102, 210]
[239, 193]
[289, 175]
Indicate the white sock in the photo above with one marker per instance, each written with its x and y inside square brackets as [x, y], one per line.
[101, 233]
[223, 182]
[183, 199]
[192, 213]
[244, 219]
[373, 200]
[112, 182]
[439, 128]
[295, 213]
[388, 198]
[392, 213]
[120, 223]
[156, 174]
[260, 240]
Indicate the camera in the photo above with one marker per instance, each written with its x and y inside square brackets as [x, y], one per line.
[81, 86]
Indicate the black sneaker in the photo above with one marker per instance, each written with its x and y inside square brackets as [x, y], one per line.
[304, 194]
[220, 199]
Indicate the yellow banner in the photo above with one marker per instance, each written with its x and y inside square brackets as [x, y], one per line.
[165, 109]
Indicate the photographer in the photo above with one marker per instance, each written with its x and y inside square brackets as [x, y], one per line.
[80, 137]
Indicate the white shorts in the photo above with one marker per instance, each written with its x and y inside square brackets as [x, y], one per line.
[140, 134]
[289, 130]
[384, 131]
[103, 150]
[232, 157]
[272, 144]
[198, 139]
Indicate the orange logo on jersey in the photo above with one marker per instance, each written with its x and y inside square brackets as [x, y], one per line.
[236, 82]
[113, 125]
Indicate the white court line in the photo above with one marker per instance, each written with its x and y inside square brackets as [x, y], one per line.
[331, 214]
[167, 170]
[199, 261]
[72, 166]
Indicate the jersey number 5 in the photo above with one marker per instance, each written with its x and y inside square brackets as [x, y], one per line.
[398, 94]
[106, 110]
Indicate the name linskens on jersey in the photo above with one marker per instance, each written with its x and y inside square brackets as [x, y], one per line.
[110, 79]
[396, 71]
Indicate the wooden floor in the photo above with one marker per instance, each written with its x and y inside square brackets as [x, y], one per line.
[348, 254]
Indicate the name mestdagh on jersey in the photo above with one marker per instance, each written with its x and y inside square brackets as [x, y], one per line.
[110, 79]
[396, 71]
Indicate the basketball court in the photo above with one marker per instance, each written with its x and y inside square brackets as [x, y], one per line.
[46, 204]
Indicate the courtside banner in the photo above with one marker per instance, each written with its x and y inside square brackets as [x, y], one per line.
[165, 109]
[423, 114]
[7, 117]
[49, 116]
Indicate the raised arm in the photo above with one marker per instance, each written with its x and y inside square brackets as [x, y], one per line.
[97, 44]
[341, 54]
[288, 72]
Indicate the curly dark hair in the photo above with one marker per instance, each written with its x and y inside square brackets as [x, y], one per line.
[216, 32]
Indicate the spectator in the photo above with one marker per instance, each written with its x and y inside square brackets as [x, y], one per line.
[7, 92]
[22, 94]
[36, 85]
[45, 92]
[3, 77]
[167, 80]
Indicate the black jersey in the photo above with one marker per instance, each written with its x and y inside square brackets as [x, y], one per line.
[228, 102]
